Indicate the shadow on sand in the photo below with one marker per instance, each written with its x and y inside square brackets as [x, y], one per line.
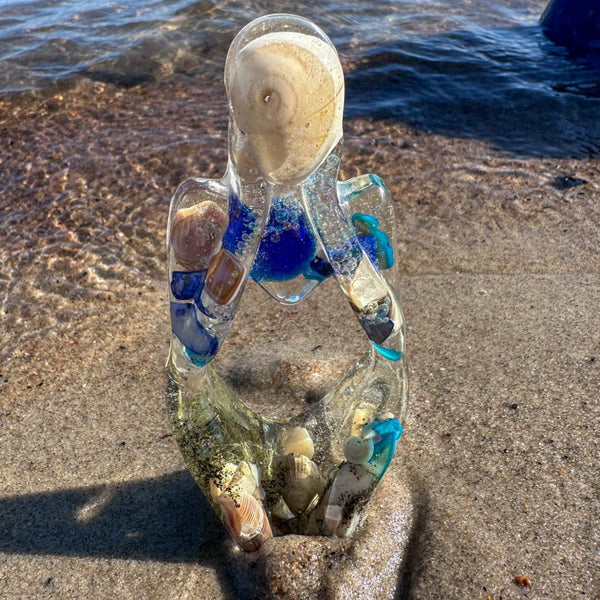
[164, 519]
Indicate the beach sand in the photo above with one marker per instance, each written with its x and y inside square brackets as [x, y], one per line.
[500, 265]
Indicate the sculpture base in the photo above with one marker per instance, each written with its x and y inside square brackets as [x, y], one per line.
[370, 566]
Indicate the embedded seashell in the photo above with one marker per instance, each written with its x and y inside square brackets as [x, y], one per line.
[237, 480]
[196, 234]
[297, 441]
[366, 288]
[282, 510]
[246, 522]
[361, 417]
[287, 92]
[332, 517]
[358, 450]
[303, 483]
[351, 481]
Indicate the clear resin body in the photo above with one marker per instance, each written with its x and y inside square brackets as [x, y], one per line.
[280, 216]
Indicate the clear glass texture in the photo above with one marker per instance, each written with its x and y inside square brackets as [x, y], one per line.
[280, 216]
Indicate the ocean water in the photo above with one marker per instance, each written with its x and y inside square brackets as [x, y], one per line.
[458, 67]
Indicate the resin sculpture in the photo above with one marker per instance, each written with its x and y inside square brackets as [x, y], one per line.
[280, 216]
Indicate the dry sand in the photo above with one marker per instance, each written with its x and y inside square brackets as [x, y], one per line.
[500, 280]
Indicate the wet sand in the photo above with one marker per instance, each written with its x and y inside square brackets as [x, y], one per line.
[500, 282]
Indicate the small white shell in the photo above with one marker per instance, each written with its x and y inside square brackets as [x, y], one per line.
[366, 288]
[196, 234]
[358, 450]
[297, 441]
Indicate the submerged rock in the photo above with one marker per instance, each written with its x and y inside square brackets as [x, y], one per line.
[573, 23]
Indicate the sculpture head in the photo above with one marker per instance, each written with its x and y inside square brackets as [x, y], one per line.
[285, 87]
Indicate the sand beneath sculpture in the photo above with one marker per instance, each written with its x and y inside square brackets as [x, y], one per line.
[500, 263]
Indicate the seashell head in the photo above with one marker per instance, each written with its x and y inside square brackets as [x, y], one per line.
[286, 91]
[297, 441]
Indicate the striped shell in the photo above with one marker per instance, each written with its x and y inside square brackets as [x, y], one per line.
[246, 521]
[303, 483]
[196, 234]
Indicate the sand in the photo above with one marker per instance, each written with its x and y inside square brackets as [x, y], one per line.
[500, 268]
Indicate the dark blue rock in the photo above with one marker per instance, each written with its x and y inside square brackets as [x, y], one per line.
[377, 332]
[573, 23]
[318, 269]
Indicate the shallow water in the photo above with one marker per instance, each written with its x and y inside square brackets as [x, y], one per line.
[463, 107]
[478, 69]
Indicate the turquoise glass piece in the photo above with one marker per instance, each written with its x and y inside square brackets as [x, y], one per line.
[389, 353]
[385, 435]
[367, 227]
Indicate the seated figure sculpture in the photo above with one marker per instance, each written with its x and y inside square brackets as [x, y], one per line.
[280, 216]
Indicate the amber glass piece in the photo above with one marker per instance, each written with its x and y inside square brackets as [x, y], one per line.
[224, 277]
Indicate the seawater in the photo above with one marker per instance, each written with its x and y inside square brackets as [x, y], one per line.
[459, 67]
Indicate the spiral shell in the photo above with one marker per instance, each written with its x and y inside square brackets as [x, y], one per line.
[287, 91]
[297, 441]
[196, 234]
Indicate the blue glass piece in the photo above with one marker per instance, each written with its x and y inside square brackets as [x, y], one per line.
[368, 225]
[241, 223]
[369, 245]
[191, 333]
[388, 353]
[346, 257]
[185, 284]
[188, 285]
[377, 332]
[318, 269]
[385, 434]
[198, 359]
[287, 245]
